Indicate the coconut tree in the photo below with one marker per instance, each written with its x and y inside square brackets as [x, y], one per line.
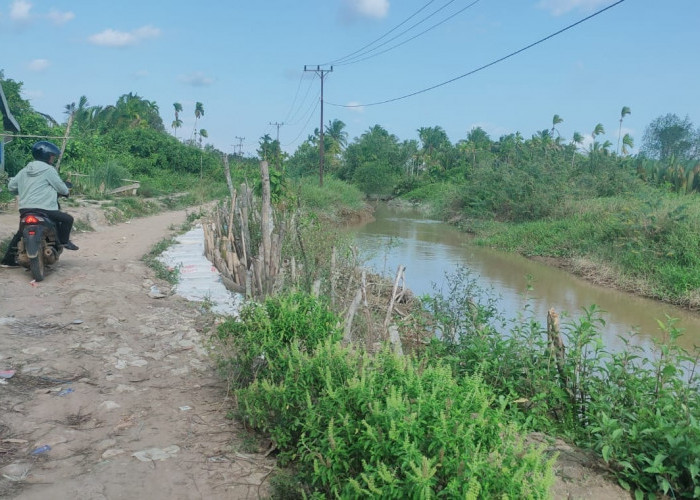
[177, 123]
[627, 144]
[576, 142]
[198, 113]
[203, 134]
[556, 120]
[598, 130]
[625, 111]
[336, 139]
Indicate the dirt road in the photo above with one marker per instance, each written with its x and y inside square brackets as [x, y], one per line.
[120, 387]
[118, 384]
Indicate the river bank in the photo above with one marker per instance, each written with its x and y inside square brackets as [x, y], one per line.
[592, 268]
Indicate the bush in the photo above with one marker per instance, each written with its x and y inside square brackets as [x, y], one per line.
[640, 411]
[253, 344]
[357, 426]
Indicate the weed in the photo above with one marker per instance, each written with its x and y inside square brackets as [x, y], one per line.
[639, 411]
[82, 225]
[355, 425]
[169, 274]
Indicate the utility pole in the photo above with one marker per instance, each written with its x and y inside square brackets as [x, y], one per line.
[321, 73]
[278, 125]
[240, 144]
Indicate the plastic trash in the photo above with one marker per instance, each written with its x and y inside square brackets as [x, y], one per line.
[40, 450]
[7, 373]
[66, 391]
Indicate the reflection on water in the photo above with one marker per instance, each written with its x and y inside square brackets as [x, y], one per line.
[430, 250]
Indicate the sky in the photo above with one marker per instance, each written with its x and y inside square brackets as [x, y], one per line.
[436, 62]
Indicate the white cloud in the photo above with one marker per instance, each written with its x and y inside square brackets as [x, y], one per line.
[19, 10]
[559, 7]
[196, 79]
[374, 9]
[58, 17]
[38, 64]
[114, 38]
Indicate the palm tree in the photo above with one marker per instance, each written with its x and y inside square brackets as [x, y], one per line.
[177, 123]
[556, 120]
[198, 113]
[625, 111]
[338, 136]
[598, 130]
[627, 142]
[576, 141]
[202, 134]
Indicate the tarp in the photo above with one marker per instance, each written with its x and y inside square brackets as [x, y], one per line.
[199, 280]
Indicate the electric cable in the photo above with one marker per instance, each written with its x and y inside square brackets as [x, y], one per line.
[336, 61]
[301, 131]
[292, 120]
[481, 67]
[355, 60]
[296, 94]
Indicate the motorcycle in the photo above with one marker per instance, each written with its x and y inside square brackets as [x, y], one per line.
[39, 246]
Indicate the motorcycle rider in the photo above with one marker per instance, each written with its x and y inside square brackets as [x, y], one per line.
[38, 185]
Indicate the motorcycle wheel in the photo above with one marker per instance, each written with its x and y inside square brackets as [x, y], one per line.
[36, 265]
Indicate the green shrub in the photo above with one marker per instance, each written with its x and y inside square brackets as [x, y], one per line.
[639, 410]
[389, 427]
[358, 426]
[252, 345]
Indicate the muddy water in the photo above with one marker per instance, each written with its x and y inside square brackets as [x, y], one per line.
[430, 250]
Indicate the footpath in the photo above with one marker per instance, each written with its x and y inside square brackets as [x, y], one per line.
[106, 389]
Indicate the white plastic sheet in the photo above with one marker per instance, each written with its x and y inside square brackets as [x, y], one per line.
[199, 279]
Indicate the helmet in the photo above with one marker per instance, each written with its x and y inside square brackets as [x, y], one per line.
[43, 150]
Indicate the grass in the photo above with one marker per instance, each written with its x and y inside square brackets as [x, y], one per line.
[169, 274]
[655, 242]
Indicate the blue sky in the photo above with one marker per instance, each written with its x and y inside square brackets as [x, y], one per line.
[245, 62]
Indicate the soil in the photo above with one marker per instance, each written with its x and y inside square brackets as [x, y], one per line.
[120, 385]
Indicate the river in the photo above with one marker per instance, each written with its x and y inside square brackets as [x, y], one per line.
[430, 250]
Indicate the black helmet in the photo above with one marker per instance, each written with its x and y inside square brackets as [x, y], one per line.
[43, 150]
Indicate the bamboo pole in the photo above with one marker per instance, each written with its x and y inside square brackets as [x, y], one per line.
[266, 220]
[65, 139]
[399, 278]
[556, 348]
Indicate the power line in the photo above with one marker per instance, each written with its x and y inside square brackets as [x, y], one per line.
[301, 131]
[296, 94]
[240, 144]
[356, 60]
[320, 72]
[278, 125]
[481, 67]
[292, 120]
[338, 61]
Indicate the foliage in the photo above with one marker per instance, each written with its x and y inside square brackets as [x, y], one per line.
[358, 426]
[669, 136]
[639, 409]
[266, 330]
[648, 237]
[171, 275]
[334, 194]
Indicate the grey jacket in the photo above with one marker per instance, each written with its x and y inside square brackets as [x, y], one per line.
[37, 185]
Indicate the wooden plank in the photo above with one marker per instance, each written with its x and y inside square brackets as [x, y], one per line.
[130, 187]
